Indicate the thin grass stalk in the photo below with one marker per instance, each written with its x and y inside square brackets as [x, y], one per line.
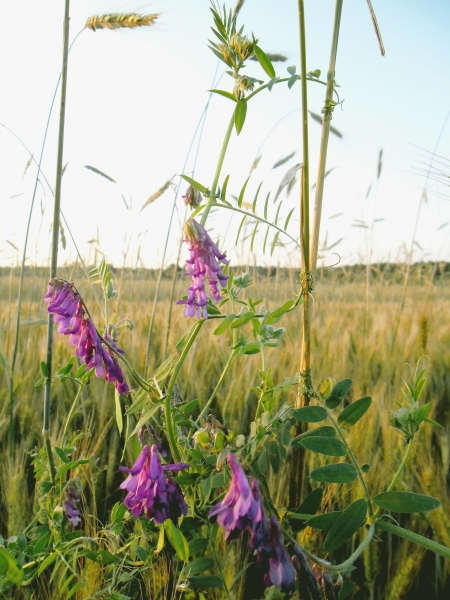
[298, 456]
[413, 241]
[326, 123]
[201, 123]
[55, 238]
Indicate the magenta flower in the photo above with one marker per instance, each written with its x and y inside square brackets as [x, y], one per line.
[66, 304]
[241, 508]
[151, 491]
[72, 493]
[280, 570]
[203, 262]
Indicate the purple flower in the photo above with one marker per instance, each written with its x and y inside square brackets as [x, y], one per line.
[67, 307]
[72, 493]
[203, 261]
[151, 491]
[280, 570]
[241, 508]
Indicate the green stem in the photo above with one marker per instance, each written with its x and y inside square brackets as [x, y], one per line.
[398, 473]
[347, 563]
[415, 538]
[69, 416]
[55, 239]
[167, 408]
[326, 123]
[223, 151]
[221, 378]
[354, 461]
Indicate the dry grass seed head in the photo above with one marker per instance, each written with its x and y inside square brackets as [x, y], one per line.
[120, 21]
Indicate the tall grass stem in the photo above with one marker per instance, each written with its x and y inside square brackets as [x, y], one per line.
[326, 123]
[55, 237]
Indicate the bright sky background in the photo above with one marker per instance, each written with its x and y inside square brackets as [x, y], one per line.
[135, 99]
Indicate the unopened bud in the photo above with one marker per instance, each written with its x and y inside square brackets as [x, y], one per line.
[192, 197]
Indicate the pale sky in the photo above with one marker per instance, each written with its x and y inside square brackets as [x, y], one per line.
[134, 102]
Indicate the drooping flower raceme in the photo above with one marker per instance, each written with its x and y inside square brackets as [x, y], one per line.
[72, 497]
[203, 262]
[241, 510]
[66, 305]
[281, 571]
[151, 492]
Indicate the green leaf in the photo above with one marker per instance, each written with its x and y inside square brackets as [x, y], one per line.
[199, 565]
[197, 545]
[273, 453]
[71, 465]
[198, 186]
[242, 192]
[325, 431]
[338, 393]
[251, 348]
[225, 324]
[279, 312]
[311, 503]
[339, 473]
[41, 544]
[240, 114]
[288, 218]
[274, 243]
[354, 412]
[325, 388]
[325, 521]
[49, 560]
[310, 414]
[9, 568]
[40, 382]
[406, 502]
[119, 417]
[240, 229]
[346, 589]
[165, 369]
[44, 369]
[75, 589]
[224, 93]
[62, 455]
[415, 538]
[264, 61]
[324, 445]
[243, 319]
[205, 581]
[177, 540]
[145, 417]
[351, 519]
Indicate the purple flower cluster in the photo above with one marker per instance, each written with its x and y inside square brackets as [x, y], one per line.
[66, 304]
[72, 493]
[151, 491]
[203, 261]
[242, 510]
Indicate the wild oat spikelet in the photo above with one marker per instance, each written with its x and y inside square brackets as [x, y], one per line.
[120, 21]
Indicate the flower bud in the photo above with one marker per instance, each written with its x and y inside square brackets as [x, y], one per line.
[192, 197]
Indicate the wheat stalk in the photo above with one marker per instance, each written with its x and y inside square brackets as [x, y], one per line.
[120, 21]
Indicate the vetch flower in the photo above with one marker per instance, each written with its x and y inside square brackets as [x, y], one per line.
[203, 262]
[280, 571]
[192, 197]
[65, 303]
[72, 497]
[241, 508]
[151, 492]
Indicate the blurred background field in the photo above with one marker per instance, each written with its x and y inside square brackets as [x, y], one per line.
[356, 315]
